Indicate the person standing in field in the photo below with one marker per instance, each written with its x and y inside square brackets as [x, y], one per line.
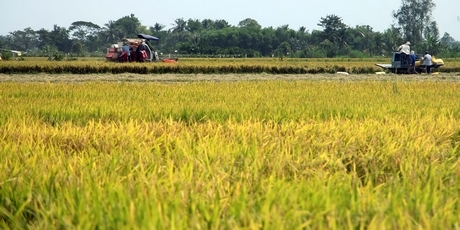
[427, 62]
[139, 50]
[412, 61]
[404, 48]
[127, 51]
[405, 54]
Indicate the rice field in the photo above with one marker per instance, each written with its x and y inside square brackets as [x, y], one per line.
[209, 66]
[263, 153]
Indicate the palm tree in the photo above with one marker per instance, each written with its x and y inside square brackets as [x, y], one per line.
[303, 30]
[179, 25]
[157, 27]
[111, 32]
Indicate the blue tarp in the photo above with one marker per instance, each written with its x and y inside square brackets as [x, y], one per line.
[147, 37]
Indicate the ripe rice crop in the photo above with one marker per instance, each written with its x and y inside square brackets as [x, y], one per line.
[208, 66]
[230, 155]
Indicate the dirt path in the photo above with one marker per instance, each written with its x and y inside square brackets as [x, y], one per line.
[177, 78]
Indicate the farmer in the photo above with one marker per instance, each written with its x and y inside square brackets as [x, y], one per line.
[405, 54]
[427, 62]
[139, 50]
[126, 51]
[405, 48]
[412, 61]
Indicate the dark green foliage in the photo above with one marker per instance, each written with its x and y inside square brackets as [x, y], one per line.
[217, 38]
[414, 21]
[6, 55]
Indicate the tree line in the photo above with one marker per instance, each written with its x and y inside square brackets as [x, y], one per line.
[193, 37]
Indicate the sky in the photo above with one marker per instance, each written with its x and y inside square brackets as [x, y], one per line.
[38, 14]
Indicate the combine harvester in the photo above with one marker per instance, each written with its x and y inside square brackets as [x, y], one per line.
[400, 64]
[115, 52]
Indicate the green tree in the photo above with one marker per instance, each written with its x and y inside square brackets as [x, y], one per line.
[299, 41]
[432, 30]
[78, 48]
[249, 37]
[3, 42]
[447, 40]
[391, 40]
[83, 30]
[282, 33]
[87, 34]
[284, 49]
[179, 25]
[378, 44]
[6, 55]
[128, 26]
[329, 48]
[24, 40]
[413, 18]
[302, 30]
[333, 34]
[268, 42]
[432, 39]
[44, 39]
[193, 26]
[60, 38]
[221, 24]
[250, 24]
[157, 28]
[207, 24]
[361, 38]
[111, 32]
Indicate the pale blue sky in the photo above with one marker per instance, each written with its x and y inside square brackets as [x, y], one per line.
[37, 14]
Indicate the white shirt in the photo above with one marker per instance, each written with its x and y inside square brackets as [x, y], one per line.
[404, 48]
[427, 60]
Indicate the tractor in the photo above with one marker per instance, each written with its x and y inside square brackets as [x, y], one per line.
[400, 64]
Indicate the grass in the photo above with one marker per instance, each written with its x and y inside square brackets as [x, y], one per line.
[230, 155]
